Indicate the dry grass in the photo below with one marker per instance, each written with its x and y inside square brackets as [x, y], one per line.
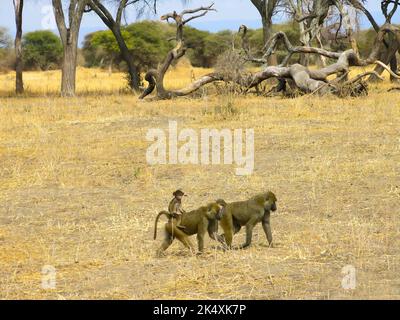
[76, 193]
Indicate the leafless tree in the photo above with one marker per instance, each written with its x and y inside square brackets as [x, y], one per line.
[68, 27]
[390, 44]
[299, 77]
[156, 77]
[19, 83]
[348, 17]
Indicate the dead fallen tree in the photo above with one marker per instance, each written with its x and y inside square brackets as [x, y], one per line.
[155, 78]
[297, 76]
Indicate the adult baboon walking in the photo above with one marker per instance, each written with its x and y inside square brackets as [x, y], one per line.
[247, 213]
[197, 221]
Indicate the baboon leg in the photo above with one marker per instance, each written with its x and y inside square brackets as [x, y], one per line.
[249, 234]
[235, 227]
[200, 241]
[267, 227]
[183, 237]
[227, 226]
[212, 230]
[165, 244]
[171, 228]
[201, 231]
[228, 239]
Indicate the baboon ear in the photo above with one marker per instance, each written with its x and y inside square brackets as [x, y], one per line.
[271, 196]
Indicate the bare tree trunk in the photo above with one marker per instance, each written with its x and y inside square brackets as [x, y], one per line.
[357, 4]
[345, 12]
[155, 78]
[115, 26]
[266, 9]
[390, 48]
[134, 78]
[69, 37]
[296, 9]
[306, 41]
[19, 84]
[387, 56]
[386, 50]
[393, 67]
[267, 32]
[68, 79]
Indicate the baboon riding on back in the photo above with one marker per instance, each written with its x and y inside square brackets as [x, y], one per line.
[199, 221]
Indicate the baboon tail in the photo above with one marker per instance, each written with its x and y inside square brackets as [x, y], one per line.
[167, 214]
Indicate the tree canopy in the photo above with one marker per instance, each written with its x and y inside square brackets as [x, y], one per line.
[42, 50]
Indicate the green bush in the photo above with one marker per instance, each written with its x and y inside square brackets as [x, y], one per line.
[149, 42]
[41, 50]
[146, 40]
[195, 41]
[215, 44]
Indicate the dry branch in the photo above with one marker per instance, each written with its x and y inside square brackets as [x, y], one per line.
[304, 79]
[156, 77]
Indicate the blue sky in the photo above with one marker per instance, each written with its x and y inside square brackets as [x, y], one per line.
[231, 14]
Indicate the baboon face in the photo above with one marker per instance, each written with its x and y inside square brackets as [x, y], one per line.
[215, 211]
[270, 202]
[222, 204]
[220, 213]
[269, 206]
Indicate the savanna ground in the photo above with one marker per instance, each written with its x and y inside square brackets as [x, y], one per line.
[76, 193]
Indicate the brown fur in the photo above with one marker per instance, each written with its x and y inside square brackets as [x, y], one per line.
[247, 213]
[197, 222]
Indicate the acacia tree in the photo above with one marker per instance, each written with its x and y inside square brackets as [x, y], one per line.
[19, 83]
[69, 34]
[114, 24]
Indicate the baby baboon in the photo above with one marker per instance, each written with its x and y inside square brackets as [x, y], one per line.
[175, 207]
[247, 213]
[197, 221]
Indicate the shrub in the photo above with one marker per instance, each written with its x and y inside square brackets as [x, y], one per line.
[41, 50]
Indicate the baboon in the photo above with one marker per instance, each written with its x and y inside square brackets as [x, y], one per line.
[247, 213]
[175, 207]
[197, 221]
